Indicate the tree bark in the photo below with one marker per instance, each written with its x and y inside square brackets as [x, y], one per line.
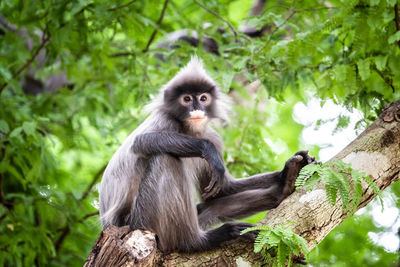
[376, 152]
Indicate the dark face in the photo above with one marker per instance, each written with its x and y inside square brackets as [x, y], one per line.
[192, 102]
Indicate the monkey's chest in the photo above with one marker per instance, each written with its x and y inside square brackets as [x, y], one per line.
[195, 168]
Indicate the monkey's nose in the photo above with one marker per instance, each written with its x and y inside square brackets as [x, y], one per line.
[197, 114]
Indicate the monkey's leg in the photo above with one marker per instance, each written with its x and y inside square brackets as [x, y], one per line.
[259, 193]
[165, 204]
[237, 206]
[284, 179]
[226, 232]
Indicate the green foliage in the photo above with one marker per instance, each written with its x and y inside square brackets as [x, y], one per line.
[54, 144]
[280, 242]
[337, 177]
[353, 234]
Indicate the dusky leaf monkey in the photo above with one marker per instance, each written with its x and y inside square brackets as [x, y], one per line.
[151, 181]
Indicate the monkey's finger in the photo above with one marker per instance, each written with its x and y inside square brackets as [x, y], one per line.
[302, 153]
[210, 185]
[298, 158]
[212, 193]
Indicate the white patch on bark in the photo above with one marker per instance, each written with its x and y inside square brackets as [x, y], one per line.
[372, 163]
[140, 243]
[242, 263]
[315, 195]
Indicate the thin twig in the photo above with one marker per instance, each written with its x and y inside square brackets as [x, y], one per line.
[121, 6]
[316, 8]
[397, 19]
[388, 81]
[122, 54]
[89, 215]
[283, 23]
[218, 16]
[94, 181]
[43, 43]
[64, 232]
[156, 28]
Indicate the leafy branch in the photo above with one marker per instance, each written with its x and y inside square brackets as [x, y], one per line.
[280, 241]
[335, 176]
[158, 26]
[218, 16]
[43, 43]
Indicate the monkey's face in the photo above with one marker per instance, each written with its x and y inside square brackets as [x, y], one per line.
[192, 103]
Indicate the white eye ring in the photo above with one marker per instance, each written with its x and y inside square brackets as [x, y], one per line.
[185, 100]
[204, 98]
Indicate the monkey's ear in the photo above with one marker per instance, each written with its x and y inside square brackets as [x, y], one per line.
[168, 95]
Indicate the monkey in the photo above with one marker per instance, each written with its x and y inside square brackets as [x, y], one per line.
[151, 180]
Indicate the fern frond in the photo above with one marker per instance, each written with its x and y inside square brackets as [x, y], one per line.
[306, 173]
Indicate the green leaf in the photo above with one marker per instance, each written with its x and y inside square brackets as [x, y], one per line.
[4, 128]
[363, 69]
[380, 62]
[5, 74]
[305, 173]
[16, 132]
[29, 127]
[391, 2]
[374, 2]
[394, 38]
[227, 79]
[340, 72]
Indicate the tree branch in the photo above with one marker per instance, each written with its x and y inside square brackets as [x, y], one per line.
[89, 215]
[94, 181]
[218, 16]
[376, 151]
[122, 54]
[64, 232]
[43, 43]
[388, 81]
[121, 6]
[156, 28]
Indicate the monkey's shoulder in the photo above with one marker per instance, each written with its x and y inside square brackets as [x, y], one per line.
[214, 137]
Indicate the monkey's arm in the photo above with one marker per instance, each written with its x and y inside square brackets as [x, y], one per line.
[179, 145]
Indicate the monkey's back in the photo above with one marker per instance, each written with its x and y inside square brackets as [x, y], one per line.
[123, 175]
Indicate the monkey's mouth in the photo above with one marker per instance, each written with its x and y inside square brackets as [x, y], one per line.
[197, 120]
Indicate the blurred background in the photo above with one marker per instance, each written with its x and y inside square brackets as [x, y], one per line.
[75, 76]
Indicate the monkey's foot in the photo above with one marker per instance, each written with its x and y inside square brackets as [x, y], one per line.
[292, 169]
[233, 230]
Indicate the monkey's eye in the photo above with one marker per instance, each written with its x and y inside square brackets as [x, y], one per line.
[185, 99]
[205, 98]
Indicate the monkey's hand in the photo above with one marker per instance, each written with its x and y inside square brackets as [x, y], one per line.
[217, 171]
[292, 168]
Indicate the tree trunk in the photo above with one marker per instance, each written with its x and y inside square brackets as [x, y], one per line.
[376, 151]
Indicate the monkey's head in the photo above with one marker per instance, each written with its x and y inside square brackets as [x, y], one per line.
[192, 102]
[192, 97]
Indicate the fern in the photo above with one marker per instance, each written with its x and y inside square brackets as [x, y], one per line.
[335, 176]
[280, 241]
